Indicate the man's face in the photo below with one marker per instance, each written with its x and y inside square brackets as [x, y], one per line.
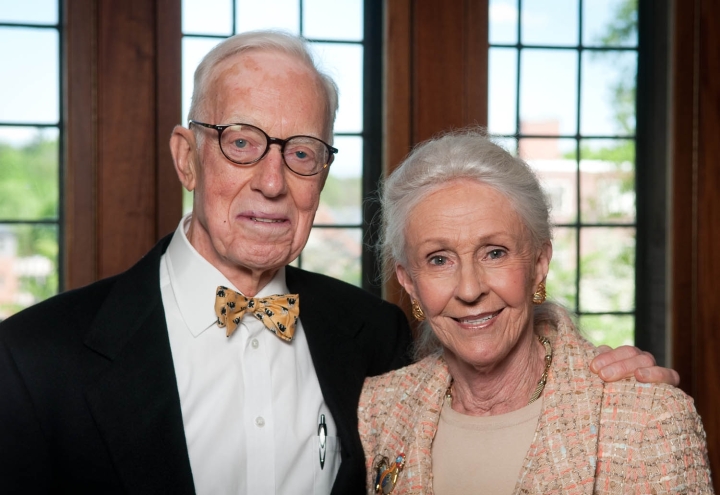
[256, 218]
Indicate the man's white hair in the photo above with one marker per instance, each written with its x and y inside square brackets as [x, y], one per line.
[268, 40]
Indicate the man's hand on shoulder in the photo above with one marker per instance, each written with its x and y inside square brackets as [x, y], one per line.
[627, 361]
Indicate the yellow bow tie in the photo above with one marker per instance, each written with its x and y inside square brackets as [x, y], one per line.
[278, 313]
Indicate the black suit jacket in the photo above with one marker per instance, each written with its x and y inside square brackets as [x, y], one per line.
[89, 400]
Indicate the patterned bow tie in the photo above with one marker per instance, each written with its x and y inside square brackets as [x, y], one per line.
[278, 313]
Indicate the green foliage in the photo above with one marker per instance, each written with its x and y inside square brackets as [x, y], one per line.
[342, 193]
[29, 181]
[332, 257]
[620, 153]
[29, 191]
[621, 31]
[187, 201]
[561, 277]
[41, 241]
[608, 329]
[606, 266]
[331, 252]
[36, 240]
[610, 270]
[624, 25]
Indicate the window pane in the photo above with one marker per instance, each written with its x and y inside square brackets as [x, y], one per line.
[548, 90]
[549, 22]
[554, 161]
[566, 90]
[503, 22]
[335, 252]
[187, 201]
[609, 22]
[28, 174]
[607, 180]
[28, 266]
[29, 12]
[341, 199]
[268, 14]
[32, 98]
[333, 20]
[563, 267]
[612, 330]
[608, 93]
[607, 269]
[344, 63]
[207, 17]
[193, 50]
[509, 144]
[502, 91]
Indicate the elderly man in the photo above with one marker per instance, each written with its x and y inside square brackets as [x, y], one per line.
[211, 365]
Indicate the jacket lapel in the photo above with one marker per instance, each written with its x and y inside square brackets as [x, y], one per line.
[135, 402]
[339, 364]
[563, 455]
[400, 414]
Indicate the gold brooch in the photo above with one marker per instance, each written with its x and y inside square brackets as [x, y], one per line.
[386, 473]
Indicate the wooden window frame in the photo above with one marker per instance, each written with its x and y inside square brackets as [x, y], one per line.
[122, 79]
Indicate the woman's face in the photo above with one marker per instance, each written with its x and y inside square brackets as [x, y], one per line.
[473, 269]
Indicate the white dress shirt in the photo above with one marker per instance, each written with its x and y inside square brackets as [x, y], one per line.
[250, 403]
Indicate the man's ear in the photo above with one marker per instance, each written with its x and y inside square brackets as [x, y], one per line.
[182, 148]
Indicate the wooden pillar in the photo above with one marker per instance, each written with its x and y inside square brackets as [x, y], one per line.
[695, 205]
[121, 100]
[435, 77]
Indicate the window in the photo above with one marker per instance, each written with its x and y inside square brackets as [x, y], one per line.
[339, 38]
[562, 78]
[30, 168]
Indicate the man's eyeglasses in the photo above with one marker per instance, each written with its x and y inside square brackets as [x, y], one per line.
[246, 144]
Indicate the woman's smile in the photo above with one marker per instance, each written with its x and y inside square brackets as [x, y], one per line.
[478, 320]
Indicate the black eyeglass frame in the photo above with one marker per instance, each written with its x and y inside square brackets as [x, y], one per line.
[220, 128]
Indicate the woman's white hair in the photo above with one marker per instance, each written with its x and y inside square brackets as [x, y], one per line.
[462, 154]
[268, 40]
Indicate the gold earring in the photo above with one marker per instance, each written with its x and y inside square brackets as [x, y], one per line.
[417, 311]
[540, 294]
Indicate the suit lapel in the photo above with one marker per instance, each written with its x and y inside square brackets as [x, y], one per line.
[414, 420]
[563, 455]
[339, 363]
[135, 402]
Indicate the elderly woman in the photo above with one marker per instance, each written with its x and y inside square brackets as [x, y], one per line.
[504, 401]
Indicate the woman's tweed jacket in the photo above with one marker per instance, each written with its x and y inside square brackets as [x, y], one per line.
[592, 437]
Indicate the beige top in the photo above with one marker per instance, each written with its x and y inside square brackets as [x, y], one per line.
[481, 454]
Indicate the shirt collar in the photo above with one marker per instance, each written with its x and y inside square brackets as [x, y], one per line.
[194, 280]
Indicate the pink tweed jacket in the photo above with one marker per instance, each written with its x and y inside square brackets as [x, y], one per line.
[592, 437]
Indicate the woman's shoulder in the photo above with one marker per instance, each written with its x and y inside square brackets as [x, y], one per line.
[652, 434]
[651, 399]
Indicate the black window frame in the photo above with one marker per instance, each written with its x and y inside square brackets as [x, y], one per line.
[58, 222]
[652, 127]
